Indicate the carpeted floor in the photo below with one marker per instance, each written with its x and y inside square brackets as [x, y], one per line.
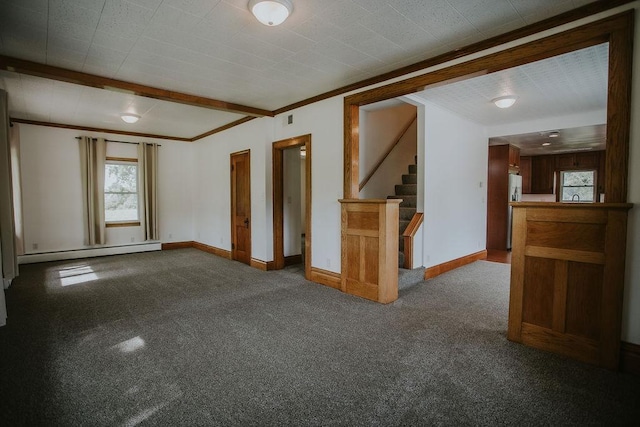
[186, 338]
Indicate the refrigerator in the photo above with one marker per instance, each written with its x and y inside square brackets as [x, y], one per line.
[515, 195]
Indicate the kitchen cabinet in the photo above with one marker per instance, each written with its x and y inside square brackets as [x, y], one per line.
[525, 172]
[542, 174]
[514, 157]
[500, 164]
[582, 160]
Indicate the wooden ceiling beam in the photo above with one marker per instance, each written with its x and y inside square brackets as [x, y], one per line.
[76, 77]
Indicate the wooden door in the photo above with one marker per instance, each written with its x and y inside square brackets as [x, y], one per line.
[241, 207]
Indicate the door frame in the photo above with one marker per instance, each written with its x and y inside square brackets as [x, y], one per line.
[617, 30]
[278, 201]
[233, 203]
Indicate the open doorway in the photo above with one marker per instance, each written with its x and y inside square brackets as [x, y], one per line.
[292, 203]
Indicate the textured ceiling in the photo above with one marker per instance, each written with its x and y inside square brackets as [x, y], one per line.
[216, 49]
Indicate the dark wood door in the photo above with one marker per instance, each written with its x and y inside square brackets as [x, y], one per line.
[241, 207]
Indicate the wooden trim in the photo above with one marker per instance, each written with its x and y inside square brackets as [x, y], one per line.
[76, 77]
[278, 199]
[177, 245]
[439, 269]
[408, 236]
[122, 224]
[222, 128]
[614, 29]
[103, 130]
[386, 154]
[546, 24]
[212, 250]
[262, 265]
[292, 260]
[121, 159]
[325, 277]
[233, 203]
[630, 358]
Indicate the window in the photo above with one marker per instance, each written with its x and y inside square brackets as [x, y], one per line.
[577, 186]
[121, 192]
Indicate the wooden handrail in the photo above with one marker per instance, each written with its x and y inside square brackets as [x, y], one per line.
[408, 235]
[383, 158]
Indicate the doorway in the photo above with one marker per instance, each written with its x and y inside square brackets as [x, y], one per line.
[302, 147]
[241, 206]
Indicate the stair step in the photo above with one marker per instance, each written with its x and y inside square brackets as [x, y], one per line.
[413, 168]
[409, 189]
[407, 213]
[410, 179]
[408, 201]
[403, 226]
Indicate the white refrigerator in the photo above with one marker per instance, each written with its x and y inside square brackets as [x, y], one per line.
[515, 195]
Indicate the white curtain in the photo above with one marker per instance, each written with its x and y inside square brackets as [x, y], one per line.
[8, 256]
[148, 177]
[93, 154]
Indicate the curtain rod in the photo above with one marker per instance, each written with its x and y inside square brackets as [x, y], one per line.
[123, 142]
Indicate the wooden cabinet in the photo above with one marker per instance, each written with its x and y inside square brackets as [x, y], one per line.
[525, 172]
[583, 160]
[542, 174]
[498, 196]
[514, 157]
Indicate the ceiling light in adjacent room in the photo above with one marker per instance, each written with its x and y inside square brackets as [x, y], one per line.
[554, 134]
[129, 117]
[504, 101]
[546, 144]
[271, 12]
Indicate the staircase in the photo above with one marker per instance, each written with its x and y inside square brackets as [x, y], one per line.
[407, 191]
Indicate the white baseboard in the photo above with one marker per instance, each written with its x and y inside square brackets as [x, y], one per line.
[89, 253]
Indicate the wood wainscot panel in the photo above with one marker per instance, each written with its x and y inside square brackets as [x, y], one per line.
[369, 253]
[567, 278]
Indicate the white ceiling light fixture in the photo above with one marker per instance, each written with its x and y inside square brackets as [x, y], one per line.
[129, 117]
[546, 144]
[271, 12]
[504, 101]
[554, 134]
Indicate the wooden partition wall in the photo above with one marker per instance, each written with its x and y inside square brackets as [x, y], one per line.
[370, 248]
[567, 279]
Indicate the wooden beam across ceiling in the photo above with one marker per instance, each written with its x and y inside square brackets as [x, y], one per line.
[76, 77]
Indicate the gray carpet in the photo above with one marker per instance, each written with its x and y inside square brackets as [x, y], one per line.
[186, 338]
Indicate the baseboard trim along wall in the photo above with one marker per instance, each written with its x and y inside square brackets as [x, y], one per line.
[176, 245]
[212, 250]
[89, 252]
[262, 265]
[327, 278]
[630, 358]
[439, 269]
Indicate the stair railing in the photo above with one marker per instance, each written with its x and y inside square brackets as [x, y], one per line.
[389, 150]
[408, 236]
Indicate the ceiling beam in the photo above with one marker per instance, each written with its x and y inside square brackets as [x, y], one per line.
[76, 77]
[102, 130]
[222, 128]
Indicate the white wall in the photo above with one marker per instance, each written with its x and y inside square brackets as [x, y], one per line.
[455, 175]
[52, 190]
[212, 197]
[292, 202]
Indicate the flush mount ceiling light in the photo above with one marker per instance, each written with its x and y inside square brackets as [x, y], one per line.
[546, 144]
[554, 134]
[271, 12]
[504, 101]
[129, 117]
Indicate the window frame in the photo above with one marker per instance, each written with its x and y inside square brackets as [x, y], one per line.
[124, 161]
[561, 185]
